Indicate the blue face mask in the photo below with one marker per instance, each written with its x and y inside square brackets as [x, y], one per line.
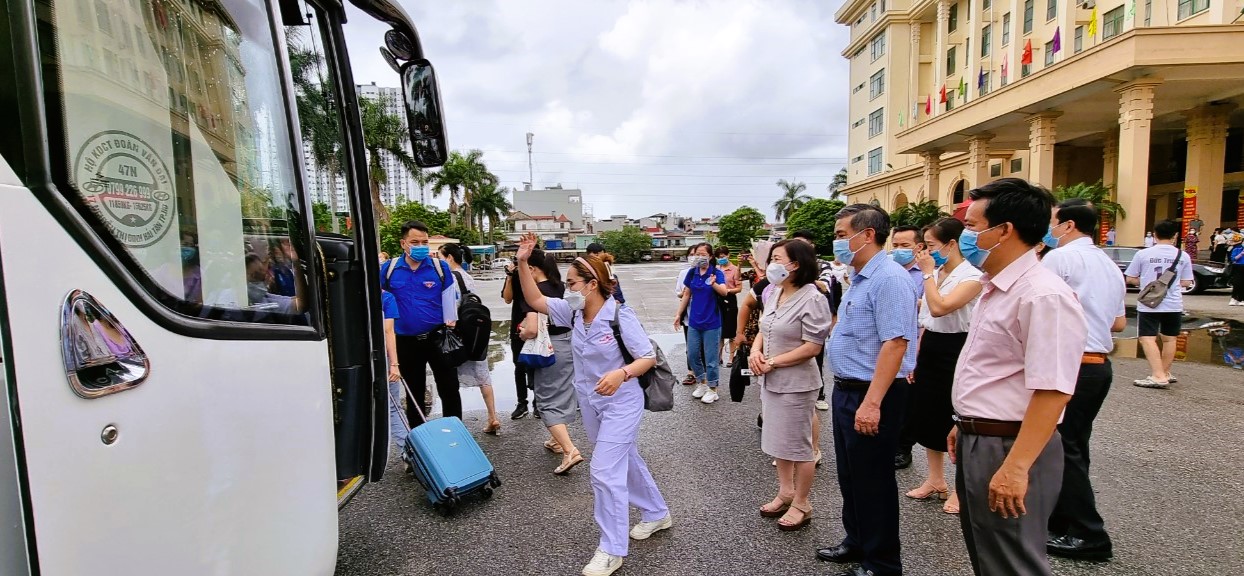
[842, 249]
[187, 254]
[1049, 239]
[974, 254]
[903, 256]
[938, 259]
[723, 261]
[419, 253]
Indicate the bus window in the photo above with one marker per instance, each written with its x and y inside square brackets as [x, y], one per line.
[175, 132]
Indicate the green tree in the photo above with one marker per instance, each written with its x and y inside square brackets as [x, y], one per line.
[835, 187]
[493, 204]
[383, 133]
[1100, 195]
[463, 175]
[323, 217]
[463, 233]
[741, 226]
[792, 198]
[817, 216]
[626, 244]
[920, 213]
[318, 114]
[390, 232]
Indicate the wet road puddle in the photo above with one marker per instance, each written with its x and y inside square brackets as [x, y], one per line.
[1201, 340]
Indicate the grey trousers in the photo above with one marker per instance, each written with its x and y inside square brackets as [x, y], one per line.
[1011, 546]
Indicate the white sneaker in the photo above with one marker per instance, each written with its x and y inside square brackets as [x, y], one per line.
[710, 396]
[643, 530]
[700, 390]
[1149, 382]
[602, 564]
[822, 405]
[1235, 302]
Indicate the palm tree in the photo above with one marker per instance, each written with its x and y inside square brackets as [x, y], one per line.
[463, 174]
[1100, 195]
[919, 213]
[383, 133]
[319, 122]
[792, 199]
[835, 187]
[492, 203]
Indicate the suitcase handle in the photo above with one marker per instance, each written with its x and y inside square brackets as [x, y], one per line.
[411, 399]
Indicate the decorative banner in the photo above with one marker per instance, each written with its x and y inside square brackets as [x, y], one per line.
[1239, 215]
[1189, 207]
[1106, 222]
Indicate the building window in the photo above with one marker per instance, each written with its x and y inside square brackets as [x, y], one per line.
[876, 84]
[1112, 23]
[1051, 10]
[950, 100]
[872, 13]
[986, 40]
[984, 86]
[857, 159]
[104, 18]
[1079, 42]
[1148, 11]
[995, 170]
[857, 123]
[1049, 53]
[1017, 164]
[857, 88]
[878, 46]
[950, 61]
[1028, 9]
[876, 122]
[952, 21]
[1189, 7]
[1006, 28]
[1002, 82]
[987, 4]
[874, 161]
[1025, 70]
[883, 6]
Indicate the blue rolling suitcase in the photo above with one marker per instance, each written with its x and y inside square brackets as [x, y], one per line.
[447, 461]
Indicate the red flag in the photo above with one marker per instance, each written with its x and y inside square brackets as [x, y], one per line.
[1004, 76]
[943, 93]
[1027, 58]
[928, 106]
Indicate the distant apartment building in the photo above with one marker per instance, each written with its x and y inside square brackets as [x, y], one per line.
[947, 95]
[555, 201]
[401, 183]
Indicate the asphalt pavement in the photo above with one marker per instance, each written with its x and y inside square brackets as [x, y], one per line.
[1166, 467]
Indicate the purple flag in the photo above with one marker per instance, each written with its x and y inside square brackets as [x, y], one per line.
[980, 80]
[1058, 43]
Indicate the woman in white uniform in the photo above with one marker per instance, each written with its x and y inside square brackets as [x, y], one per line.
[610, 399]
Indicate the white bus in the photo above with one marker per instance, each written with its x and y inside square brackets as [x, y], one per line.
[191, 375]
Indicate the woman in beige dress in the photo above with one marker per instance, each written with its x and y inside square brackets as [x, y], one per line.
[793, 329]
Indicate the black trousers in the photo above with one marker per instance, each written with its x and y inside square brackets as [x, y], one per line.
[1237, 282]
[820, 367]
[415, 354]
[907, 430]
[523, 375]
[866, 478]
[1076, 512]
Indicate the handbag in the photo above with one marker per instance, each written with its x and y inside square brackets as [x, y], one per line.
[451, 347]
[1155, 292]
[658, 382]
[538, 352]
[739, 381]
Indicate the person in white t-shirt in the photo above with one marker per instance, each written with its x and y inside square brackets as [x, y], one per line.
[1148, 239]
[1166, 318]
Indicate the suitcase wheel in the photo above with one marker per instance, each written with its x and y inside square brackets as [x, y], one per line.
[486, 492]
[494, 481]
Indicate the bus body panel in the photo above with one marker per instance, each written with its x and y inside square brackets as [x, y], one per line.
[222, 463]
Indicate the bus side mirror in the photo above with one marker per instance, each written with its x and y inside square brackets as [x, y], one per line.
[422, 97]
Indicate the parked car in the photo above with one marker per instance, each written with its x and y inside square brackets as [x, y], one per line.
[667, 257]
[501, 263]
[1205, 275]
[647, 257]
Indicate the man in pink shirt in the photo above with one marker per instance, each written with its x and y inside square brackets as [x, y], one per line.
[1015, 375]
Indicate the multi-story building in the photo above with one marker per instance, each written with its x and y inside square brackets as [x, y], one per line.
[1145, 95]
[553, 201]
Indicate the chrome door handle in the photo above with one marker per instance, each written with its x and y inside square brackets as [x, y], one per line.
[101, 357]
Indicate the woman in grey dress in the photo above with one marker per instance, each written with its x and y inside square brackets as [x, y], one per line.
[553, 386]
[793, 329]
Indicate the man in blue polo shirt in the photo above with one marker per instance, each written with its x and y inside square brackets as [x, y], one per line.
[871, 352]
[426, 301]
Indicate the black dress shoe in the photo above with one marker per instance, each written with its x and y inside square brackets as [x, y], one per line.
[840, 554]
[902, 460]
[1079, 549]
[855, 571]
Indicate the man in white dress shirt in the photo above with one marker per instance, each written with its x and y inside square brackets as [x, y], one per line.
[1076, 529]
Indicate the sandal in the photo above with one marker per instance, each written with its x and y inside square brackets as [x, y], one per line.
[801, 524]
[689, 380]
[951, 506]
[776, 512]
[493, 428]
[552, 446]
[569, 462]
[925, 492]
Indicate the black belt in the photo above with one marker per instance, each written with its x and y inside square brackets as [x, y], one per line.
[856, 385]
[987, 427]
[435, 332]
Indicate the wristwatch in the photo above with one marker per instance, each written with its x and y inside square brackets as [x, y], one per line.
[928, 276]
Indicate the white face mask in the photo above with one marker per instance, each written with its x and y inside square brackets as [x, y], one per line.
[777, 273]
[576, 300]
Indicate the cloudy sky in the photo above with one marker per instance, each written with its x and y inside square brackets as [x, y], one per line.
[694, 107]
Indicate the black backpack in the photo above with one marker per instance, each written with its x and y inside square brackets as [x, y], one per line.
[474, 323]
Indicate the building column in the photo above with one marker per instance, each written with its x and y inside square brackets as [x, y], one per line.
[1041, 139]
[978, 159]
[932, 175]
[939, 55]
[1135, 119]
[913, 85]
[1207, 158]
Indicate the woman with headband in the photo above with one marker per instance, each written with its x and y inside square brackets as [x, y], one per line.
[610, 399]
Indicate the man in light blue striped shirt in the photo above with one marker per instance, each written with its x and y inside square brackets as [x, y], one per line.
[871, 352]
